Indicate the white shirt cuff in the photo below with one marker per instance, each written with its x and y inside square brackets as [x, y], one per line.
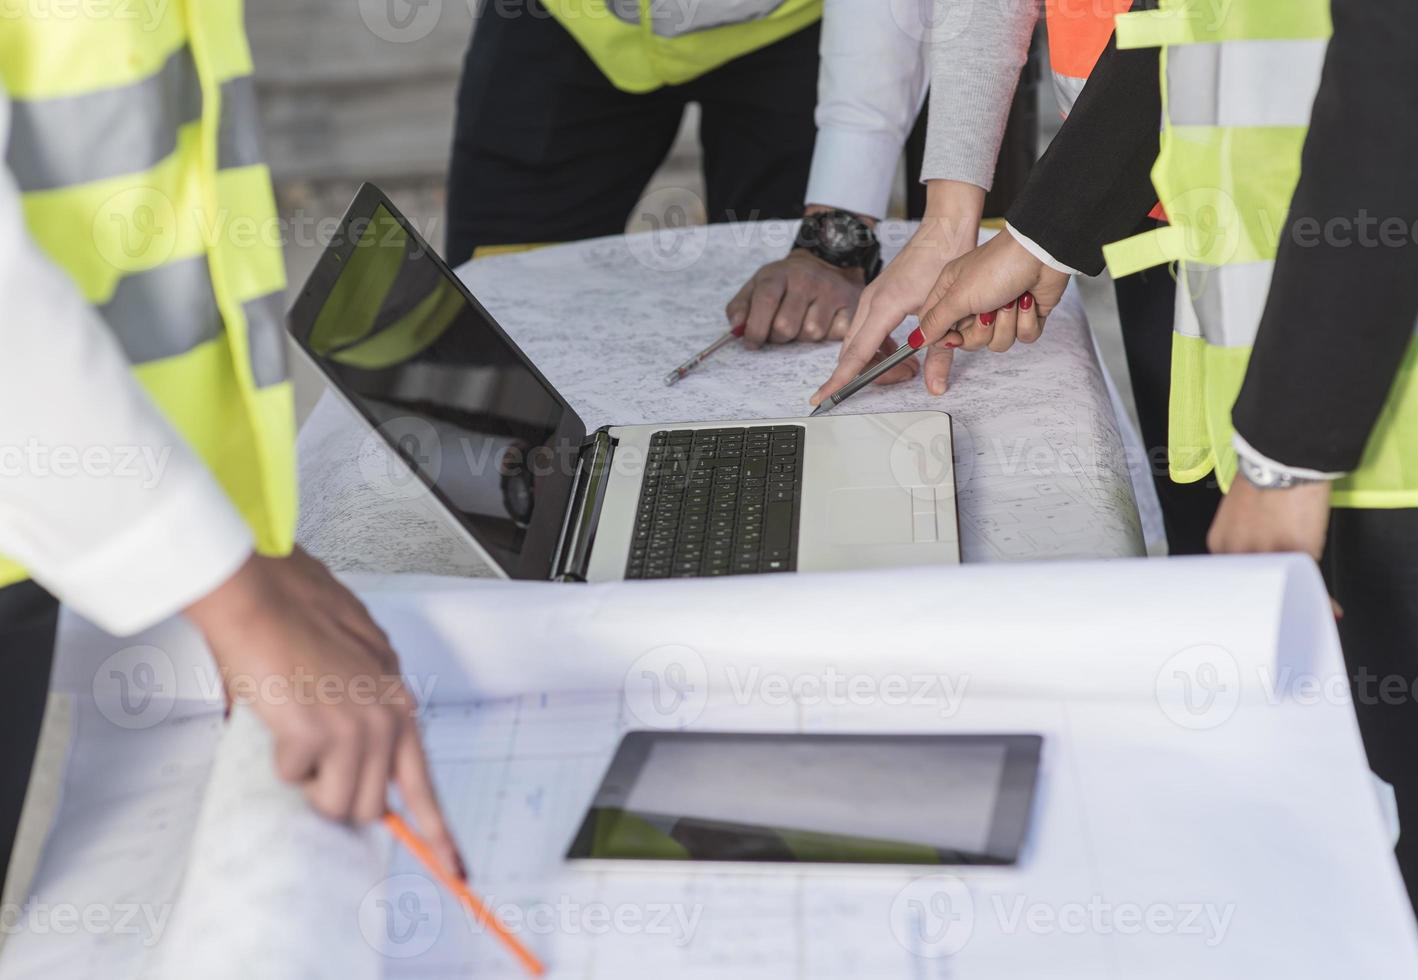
[1034, 249]
[853, 170]
[1247, 451]
[177, 553]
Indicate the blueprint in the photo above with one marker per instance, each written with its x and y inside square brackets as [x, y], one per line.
[1042, 464]
[192, 859]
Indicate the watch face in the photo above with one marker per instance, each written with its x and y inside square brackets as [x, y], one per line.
[837, 233]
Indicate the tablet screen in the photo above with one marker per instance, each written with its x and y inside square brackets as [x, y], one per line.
[854, 799]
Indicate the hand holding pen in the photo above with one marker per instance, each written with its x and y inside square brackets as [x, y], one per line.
[989, 297]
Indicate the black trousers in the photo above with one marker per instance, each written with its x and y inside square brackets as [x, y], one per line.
[29, 617]
[546, 149]
[1371, 565]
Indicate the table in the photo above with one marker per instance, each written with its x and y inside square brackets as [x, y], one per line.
[1042, 460]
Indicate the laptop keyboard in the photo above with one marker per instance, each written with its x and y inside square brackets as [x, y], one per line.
[719, 502]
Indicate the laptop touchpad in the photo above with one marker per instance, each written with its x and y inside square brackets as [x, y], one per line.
[882, 515]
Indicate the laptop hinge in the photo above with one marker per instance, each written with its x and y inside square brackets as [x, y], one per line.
[588, 490]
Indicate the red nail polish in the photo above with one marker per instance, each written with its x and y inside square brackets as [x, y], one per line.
[987, 319]
[1026, 301]
[952, 344]
[917, 339]
[1009, 305]
[738, 330]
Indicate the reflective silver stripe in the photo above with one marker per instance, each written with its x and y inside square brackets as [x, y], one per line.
[675, 18]
[1226, 301]
[266, 338]
[171, 309]
[239, 130]
[164, 311]
[80, 138]
[1244, 83]
[1066, 90]
[1224, 304]
[76, 139]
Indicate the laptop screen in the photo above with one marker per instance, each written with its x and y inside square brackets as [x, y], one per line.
[443, 385]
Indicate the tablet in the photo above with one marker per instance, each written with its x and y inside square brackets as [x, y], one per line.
[815, 799]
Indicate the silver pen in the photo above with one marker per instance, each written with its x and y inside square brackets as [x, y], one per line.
[866, 377]
[703, 355]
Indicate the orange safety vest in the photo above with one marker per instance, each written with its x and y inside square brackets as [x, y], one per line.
[1078, 32]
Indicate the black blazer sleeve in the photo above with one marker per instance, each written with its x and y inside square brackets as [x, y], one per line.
[1093, 185]
[1344, 295]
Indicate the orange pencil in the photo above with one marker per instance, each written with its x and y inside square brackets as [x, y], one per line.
[406, 836]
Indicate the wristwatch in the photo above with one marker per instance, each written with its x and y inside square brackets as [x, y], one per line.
[1264, 477]
[842, 239]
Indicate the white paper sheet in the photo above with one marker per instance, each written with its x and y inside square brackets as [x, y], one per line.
[1203, 815]
[1041, 461]
[271, 889]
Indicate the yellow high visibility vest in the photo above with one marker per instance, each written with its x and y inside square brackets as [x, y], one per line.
[641, 45]
[1238, 82]
[134, 143]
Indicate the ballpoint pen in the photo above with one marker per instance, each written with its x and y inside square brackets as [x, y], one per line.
[699, 358]
[913, 344]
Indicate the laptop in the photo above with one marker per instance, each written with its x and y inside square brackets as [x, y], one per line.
[516, 474]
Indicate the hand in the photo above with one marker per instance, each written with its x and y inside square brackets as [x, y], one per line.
[898, 293]
[997, 294]
[800, 297]
[951, 228]
[343, 720]
[1251, 520]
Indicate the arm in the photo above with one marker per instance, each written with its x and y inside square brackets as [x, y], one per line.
[871, 84]
[977, 52]
[1340, 313]
[1091, 187]
[108, 508]
[1093, 184]
[94, 481]
[1342, 305]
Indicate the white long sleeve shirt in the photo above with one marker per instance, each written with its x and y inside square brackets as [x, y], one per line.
[871, 85]
[879, 58]
[100, 498]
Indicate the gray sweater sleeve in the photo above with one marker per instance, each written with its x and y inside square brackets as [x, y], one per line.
[977, 51]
